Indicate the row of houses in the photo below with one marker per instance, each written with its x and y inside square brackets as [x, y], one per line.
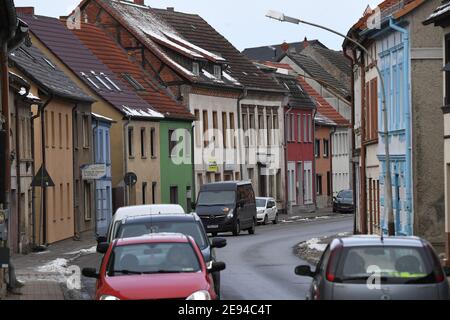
[123, 104]
[409, 53]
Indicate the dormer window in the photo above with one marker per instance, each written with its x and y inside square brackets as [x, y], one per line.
[196, 68]
[218, 72]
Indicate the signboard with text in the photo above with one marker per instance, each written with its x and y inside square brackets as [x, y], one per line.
[93, 172]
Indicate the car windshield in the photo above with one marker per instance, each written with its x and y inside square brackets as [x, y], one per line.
[261, 203]
[216, 198]
[152, 259]
[346, 194]
[394, 265]
[189, 228]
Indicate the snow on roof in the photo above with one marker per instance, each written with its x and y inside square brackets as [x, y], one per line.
[141, 113]
[230, 78]
[100, 117]
[440, 10]
[172, 44]
[321, 119]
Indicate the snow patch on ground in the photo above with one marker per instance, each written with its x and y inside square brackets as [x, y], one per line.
[56, 266]
[83, 251]
[315, 244]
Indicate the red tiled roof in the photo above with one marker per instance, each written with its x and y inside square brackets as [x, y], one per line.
[323, 107]
[118, 61]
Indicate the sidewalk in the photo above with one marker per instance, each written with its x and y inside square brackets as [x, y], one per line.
[308, 216]
[43, 273]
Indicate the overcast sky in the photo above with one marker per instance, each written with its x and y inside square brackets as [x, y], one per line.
[243, 22]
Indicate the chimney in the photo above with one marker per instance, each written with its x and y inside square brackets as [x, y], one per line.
[305, 43]
[140, 2]
[25, 10]
[285, 46]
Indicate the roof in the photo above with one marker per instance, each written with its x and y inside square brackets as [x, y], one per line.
[77, 57]
[101, 118]
[109, 52]
[315, 71]
[298, 97]
[323, 107]
[336, 58]
[161, 38]
[273, 52]
[145, 210]
[388, 8]
[36, 66]
[440, 13]
[197, 31]
[373, 240]
[321, 120]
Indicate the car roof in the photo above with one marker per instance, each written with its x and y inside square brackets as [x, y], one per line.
[154, 238]
[264, 198]
[225, 184]
[161, 218]
[374, 240]
[146, 210]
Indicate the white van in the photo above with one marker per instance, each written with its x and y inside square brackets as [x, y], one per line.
[138, 211]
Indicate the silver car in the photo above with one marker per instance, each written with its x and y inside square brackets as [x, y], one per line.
[373, 268]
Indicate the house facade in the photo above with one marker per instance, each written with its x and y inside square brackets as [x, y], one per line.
[440, 17]
[101, 129]
[215, 82]
[409, 55]
[176, 183]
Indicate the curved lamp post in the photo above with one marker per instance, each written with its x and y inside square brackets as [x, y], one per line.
[388, 179]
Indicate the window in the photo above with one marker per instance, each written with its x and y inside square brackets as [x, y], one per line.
[153, 142]
[172, 141]
[143, 143]
[69, 204]
[261, 128]
[110, 81]
[215, 125]
[218, 72]
[269, 129]
[144, 192]
[67, 133]
[52, 114]
[317, 148]
[225, 129]
[198, 137]
[133, 82]
[326, 147]
[130, 142]
[87, 201]
[319, 184]
[60, 130]
[372, 110]
[174, 195]
[154, 184]
[305, 129]
[245, 128]
[75, 130]
[299, 138]
[293, 127]
[310, 129]
[329, 186]
[252, 127]
[86, 132]
[196, 68]
[205, 129]
[232, 132]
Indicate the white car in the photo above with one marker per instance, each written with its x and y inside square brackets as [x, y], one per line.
[266, 210]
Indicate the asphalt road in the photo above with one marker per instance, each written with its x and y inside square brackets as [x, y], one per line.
[259, 267]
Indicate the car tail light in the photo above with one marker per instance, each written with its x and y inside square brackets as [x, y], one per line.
[332, 263]
[437, 267]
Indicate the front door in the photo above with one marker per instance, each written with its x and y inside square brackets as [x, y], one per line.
[291, 183]
[308, 182]
[103, 207]
[300, 187]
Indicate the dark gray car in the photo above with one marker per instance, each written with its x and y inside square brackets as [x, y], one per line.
[372, 268]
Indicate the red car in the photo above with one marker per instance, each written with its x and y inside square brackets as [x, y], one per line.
[154, 267]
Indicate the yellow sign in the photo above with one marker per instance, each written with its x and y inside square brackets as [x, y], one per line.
[212, 166]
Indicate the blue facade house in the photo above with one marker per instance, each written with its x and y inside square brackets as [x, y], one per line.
[103, 186]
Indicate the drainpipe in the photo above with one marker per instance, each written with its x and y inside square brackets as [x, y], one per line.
[242, 96]
[286, 185]
[95, 182]
[18, 177]
[76, 167]
[314, 178]
[330, 154]
[192, 163]
[407, 115]
[125, 158]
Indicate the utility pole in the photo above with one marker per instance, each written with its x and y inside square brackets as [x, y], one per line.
[388, 177]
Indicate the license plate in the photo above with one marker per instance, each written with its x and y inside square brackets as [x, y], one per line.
[213, 226]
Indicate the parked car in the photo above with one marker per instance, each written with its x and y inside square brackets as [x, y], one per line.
[227, 207]
[405, 268]
[343, 202]
[155, 267]
[137, 211]
[187, 224]
[267, 210]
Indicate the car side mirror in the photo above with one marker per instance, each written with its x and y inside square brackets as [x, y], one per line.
[219, 243]
[304, 271]
[240, 204]
[90, 273]
[103, 247]
[193, 206]
[102, 239]
[217, 267]
[447, 271]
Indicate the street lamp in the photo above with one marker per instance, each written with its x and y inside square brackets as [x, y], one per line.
[388, 180]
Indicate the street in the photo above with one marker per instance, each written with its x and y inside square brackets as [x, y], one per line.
[259, 267]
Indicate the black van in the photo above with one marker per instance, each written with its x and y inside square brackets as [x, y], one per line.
[227, 207]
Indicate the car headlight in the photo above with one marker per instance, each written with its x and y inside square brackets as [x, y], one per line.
[230, 214]
[109, 298]
[200, 295]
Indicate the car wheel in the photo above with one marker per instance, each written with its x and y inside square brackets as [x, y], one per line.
[275, 221]
[266, 220]
[217, 286]
[214, 234]
[252, 230]
[236, 228]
